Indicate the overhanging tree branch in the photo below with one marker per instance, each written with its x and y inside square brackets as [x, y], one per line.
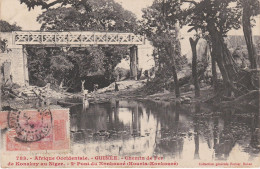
[193, 2]
[31, 4]
[46, 6]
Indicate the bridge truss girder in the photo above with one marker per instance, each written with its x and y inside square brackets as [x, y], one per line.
[76, 38]
[82, 39]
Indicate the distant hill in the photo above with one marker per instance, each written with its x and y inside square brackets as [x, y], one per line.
[234, 41]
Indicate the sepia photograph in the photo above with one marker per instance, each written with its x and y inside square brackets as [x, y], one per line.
[129, 83]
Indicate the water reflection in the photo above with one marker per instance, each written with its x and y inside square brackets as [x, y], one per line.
[196, 131]
[131, 128]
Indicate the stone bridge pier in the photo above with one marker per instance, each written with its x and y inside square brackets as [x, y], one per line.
[134, 67]
[13, 58]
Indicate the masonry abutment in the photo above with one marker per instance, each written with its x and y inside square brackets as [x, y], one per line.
[14, 54]
[133, 62]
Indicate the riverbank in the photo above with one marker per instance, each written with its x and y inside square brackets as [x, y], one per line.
[37, 97]
[136, 90]
[30, 97]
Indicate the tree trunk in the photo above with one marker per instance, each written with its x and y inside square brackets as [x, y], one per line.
[157, 60]
[176, 52]
[158, 63]
[158, 73]
[176, 81]
[193, 44]
[222, 56]
[254, 142]
[248, 35]
[214, 73]
[243, 100]
[170, 51]
[1, 83]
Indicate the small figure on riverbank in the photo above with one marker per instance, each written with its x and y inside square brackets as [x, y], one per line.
[85, 94]
[116, 87]
[95, 87]
[95, 92]
[82, 85]
[147, 75]
[85, 99]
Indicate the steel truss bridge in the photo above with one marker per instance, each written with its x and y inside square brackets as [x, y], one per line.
[76, 38]
[82, 39]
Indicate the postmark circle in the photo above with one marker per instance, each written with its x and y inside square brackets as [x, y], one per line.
[31, 125]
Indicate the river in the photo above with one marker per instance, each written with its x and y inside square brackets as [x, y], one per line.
[181, 132]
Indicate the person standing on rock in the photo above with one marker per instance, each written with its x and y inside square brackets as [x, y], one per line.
[82, 85]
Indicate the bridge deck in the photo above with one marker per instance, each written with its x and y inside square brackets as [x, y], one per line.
[76, 38]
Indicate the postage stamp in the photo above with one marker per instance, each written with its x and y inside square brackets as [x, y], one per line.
[35, 130]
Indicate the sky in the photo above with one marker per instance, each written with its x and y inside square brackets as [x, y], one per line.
[14, 12]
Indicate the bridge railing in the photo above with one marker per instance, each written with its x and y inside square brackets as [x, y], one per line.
[76, 38]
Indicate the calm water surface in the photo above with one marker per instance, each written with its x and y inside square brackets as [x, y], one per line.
[145, 128]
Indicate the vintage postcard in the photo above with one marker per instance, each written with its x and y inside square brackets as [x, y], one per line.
[129, 83]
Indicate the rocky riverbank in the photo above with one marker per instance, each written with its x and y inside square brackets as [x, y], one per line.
[35, 97]
[136, 90]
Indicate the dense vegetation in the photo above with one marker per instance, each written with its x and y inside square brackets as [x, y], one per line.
[6, 27]
[211, 20]
[67, 66]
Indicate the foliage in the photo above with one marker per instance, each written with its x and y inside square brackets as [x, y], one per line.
[224, 15]
[38, 65]
[84, 15]
[159, 24]
[91, 15]
[254, 6]
[60, 65]
[3, 46]
[7, 27]
[99, 15]
[216, 19]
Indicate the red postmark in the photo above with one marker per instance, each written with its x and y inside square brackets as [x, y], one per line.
[31, 125]
[33, 130]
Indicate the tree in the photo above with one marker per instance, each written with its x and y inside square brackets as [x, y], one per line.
[113, 56]
[216, 18]
[63, 65]
[7, 27]
[250, 8]
[100, 15]
[92, 15]
[214, 73]
[193, 44]
[160, 24]
[60, 67]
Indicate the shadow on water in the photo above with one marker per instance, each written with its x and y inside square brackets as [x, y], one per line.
[142, 128]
